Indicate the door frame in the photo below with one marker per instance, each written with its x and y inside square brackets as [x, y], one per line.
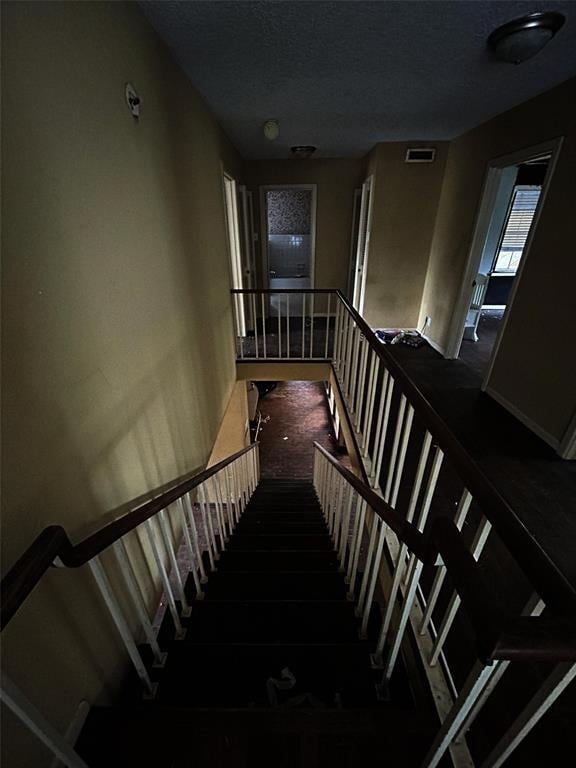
[264, 228]
[356, 208]
[481, 228]
[363, 243]
[234, 244]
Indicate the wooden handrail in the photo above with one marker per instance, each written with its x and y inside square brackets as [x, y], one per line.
[550, 583]
[29, 569]
[54, 542]
[522, 638]
[404, 530]
[547, 579]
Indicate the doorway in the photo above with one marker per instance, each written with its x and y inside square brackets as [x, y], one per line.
[288, 235]
[362, 245]
[512, 199]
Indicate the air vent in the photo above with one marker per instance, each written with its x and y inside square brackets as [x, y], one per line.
[420, 155]
[303, 151]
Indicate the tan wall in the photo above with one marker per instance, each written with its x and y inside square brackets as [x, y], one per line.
[405, 204]
[336, 181]
[534, 370]
[117, 353]
[284, 371]
[232, 435]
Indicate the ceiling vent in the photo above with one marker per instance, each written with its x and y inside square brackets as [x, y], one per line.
[303, 151]
[420, 155]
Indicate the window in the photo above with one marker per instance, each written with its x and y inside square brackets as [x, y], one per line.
[518, 223]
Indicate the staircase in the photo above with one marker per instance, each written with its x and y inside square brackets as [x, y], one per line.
[271, 671]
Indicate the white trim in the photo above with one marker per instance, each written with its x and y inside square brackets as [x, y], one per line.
[555, 147]
[74, 729]
[526, 420]
[363, 243]
[567, 449]
[354, 235]
[487, 200]
[264, 227]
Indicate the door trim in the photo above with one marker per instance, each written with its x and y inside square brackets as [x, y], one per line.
[487, 200]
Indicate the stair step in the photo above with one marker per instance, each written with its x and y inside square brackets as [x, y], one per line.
[253, 738]
[273, 621]
[267, 525]
[280, 516]
[236, 675]
[280, 541]
[282, 560]
[275, 585]
[298, 505]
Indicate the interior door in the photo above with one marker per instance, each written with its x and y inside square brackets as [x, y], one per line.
[363, 247]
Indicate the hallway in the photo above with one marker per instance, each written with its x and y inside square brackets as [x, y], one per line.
[476, 354]
[539, 486]
[298, 415]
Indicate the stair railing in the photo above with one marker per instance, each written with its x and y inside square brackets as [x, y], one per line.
[348, 504]
[198, 514]
[419, 469]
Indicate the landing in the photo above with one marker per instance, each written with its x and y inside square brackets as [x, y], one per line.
[298, 415]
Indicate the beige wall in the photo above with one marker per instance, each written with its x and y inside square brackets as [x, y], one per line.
[534, 370]
[233, 434]
[336, 181]
[117, 353]
[405, 203]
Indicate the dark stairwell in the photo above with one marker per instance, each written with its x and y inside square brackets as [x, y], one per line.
[272, 670]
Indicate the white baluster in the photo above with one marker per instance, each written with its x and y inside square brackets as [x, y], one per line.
[367, 427]
[121, 624]
[477, 546]
[373, 578]
[136, 595]
[189, 506]
[327, 329]
[391, 601]
[459, 518]
[382, 428]
[164, 576]
[264, 350]
[414, 568]
[35, 721]
[311, 325]
[470, 691]
[169, 544]
[357, 543]
[190, 547]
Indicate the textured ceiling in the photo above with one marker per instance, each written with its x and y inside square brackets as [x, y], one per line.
[345, 75]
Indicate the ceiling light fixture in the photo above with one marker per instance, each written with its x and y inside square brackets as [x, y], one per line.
[303, 151]
[271, 129]
[520, 39]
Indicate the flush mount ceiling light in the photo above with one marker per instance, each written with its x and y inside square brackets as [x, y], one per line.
[303, 151]
[520, 39]
[271, 129]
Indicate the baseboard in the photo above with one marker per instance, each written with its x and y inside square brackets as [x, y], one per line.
[552, 441]
[441, 350]
[74, 729]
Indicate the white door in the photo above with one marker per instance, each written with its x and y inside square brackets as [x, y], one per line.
[363, 247]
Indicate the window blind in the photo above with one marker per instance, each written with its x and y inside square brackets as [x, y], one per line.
[520, 219]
